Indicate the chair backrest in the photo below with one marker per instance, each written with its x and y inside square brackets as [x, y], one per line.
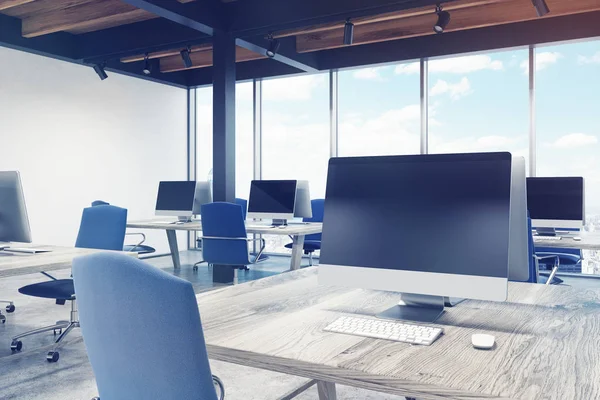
[244, 204]
[224, 223]
[318, 208]
[102, 227]
[142, 330]
[99, 203]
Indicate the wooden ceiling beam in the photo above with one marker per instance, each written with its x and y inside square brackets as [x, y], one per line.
[6, 4]
[455, 5]
[485, 15]
[84, 17]
[167, 53]
[204, 59]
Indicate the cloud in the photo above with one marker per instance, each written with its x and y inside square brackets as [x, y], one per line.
[542, 61]
[595, 59]
[295, 88]
[372, 73]
[454, 90]
[455, 65]
[517, 145]
[574, 140]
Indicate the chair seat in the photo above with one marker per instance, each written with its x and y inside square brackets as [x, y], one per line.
[262, 258]
[60, 289]
[140, 249]
[309, 245]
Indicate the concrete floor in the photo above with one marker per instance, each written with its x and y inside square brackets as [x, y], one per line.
[27, 375]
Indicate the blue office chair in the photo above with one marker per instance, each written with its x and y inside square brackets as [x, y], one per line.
[125, 289]
[224, 237]
[312, 242]
[139, 247]
[535, 259]
[244, 204]
[102, 227]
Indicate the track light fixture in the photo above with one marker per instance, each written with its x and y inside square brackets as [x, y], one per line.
[185, 56]
[348, 32]
[442, 21]
[273, 46]
[99, 68]
[146, 69]
[541, 8]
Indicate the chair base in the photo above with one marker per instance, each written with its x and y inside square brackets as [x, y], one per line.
[63, 328]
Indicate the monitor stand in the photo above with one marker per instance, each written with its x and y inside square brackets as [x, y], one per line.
[545, 231]
[184, 219]
[419, 308]
[280, 222]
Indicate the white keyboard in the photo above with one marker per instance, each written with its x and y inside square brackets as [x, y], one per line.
[548, 238]
[384, 329]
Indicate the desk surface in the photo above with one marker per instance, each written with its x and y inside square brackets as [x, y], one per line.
[589, 241]
[251, 227]
[547, 340]
[12, 264]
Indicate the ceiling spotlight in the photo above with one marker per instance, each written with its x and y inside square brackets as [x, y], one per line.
[99, 68]
[348, 32]
[273, 46]
[185, 56]
[146, 69]
[442, 21]
[541, 8]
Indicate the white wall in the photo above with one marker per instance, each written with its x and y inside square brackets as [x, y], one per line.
[76, 139]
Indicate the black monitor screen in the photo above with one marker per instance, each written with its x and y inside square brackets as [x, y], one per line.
[558, 198]
[176, 196]
[428, 213]
[272, 197]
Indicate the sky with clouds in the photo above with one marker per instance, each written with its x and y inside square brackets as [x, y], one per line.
[477, 102]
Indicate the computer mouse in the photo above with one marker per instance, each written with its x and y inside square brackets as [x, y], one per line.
[576, 238]
[483, 341]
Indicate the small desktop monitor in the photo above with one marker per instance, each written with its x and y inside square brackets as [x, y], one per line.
[432, 227]
[14, 223]
[272, 199]
[203, 196]
[303, 207]
[176, 199]
[556, 202]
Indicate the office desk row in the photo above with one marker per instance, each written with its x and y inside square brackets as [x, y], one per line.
[297, 231]
[589, 241]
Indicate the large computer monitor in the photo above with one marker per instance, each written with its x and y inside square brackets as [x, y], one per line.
[303, 207]
[557, 202]
[272, 199]
[203, 196]
[518, 248]
[176, 198]
[429, 226]
[14, 223]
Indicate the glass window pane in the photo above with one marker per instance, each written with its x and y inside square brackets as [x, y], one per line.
[295, 138]
[479, 103]
[567, 121]
[204, 133]
[379, 110]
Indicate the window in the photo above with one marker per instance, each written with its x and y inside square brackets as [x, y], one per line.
[244, 134]
[379, 110]
[479, 102]
[295, 137]
[567, 123]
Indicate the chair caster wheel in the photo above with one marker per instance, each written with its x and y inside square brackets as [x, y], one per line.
[195, 268]
[59, 332]
[2, 318]
[52, 356]
[16, 345]
[10, 308]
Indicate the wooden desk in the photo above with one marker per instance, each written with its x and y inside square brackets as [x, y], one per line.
[547, 340]
[13, 264]
[589, 241]
[298, 231]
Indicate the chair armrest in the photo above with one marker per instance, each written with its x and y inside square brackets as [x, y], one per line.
[218, 382]
[554, 269]
[263, 245]
[139, 243]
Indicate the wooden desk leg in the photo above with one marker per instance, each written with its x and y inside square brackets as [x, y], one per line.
[297, 250]
[326, 390]
[172, 237]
